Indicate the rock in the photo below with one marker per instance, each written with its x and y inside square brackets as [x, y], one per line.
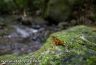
[24, 20]
[39, 21]
[63, 25]
[79, 47]
[59, 9]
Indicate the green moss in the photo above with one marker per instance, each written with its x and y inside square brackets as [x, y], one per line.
[58, 9]
[79, 49]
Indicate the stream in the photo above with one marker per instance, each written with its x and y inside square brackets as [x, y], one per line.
[24, 39]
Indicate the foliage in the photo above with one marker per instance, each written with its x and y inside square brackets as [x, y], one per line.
[58, 10]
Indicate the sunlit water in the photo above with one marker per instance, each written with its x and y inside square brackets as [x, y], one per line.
[23, 32]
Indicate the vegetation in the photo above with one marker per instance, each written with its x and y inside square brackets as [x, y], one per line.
[61, 8]
[73, 46]
[79, 48]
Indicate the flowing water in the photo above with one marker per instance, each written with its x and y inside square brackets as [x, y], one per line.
[24, 39]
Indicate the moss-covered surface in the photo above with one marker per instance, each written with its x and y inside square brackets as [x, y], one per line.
[79, 49]
[58, 9]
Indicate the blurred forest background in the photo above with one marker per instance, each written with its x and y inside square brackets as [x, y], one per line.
[26, 24]
[53, 11]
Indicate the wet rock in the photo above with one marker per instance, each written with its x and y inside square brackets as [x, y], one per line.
[25, 20]
[39, 22]
[5, 50]
[63, 25]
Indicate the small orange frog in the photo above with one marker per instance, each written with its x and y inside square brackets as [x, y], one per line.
[57, 41]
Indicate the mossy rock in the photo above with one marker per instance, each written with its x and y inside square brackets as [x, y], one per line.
[79, 49]
[58, 9]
